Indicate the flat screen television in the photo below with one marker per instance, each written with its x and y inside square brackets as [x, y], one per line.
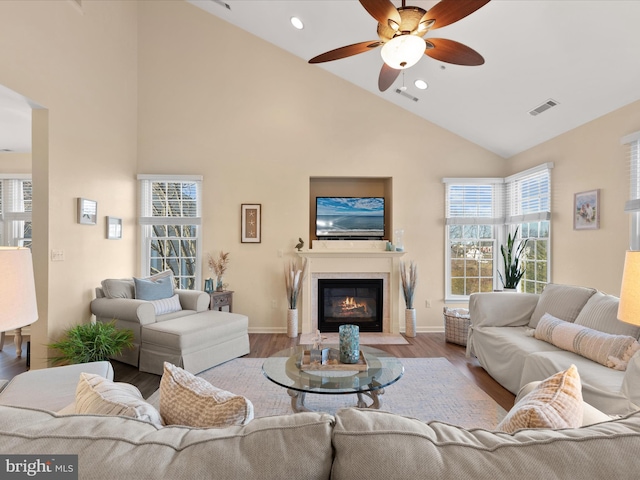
[350, 218]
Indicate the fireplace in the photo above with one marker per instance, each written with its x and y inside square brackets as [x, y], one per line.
[350, 301]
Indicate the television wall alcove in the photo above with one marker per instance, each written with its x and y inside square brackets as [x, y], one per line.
[351, 187]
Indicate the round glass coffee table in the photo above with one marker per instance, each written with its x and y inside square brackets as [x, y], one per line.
[283, 368]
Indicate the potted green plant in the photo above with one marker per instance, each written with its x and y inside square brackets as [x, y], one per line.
[91, 342]
[513, 261]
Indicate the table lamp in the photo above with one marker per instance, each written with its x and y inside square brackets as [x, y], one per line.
[629, 308]
[18, 307]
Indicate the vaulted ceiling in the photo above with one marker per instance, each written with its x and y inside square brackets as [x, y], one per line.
[581, 54]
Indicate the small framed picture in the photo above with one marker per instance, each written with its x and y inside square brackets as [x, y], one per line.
[586, 210]
[250, 223]
[87, 211]
[114, 228]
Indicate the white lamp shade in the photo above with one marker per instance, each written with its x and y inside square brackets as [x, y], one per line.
[629, 309]
[403, 51]
[18, 307]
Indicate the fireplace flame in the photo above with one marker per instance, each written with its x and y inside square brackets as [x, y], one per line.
[349, 303]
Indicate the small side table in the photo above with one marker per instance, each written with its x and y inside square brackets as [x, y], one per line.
[221, 299]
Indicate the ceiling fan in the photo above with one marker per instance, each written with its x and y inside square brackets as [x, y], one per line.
[401, 31]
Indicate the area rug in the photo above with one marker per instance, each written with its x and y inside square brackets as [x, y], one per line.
[431, 389]
[365, 338]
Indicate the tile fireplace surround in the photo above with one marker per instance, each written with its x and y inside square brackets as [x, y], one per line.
[352, 259]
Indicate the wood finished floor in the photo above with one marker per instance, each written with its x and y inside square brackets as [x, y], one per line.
[264, 345]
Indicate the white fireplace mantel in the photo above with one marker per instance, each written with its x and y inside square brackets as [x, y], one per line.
[358, 262]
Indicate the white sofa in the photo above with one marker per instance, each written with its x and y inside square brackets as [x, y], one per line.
[353, 444]
[499, 338]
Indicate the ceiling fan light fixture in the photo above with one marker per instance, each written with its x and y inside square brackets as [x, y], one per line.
[297, 23]
[403, 51]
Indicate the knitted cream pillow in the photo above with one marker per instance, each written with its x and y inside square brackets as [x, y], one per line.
[188, 400]
[555, 403]
[97, 395]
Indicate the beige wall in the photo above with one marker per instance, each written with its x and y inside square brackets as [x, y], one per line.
[586, 158]
[15, 163]
[258, 122]
[81, 66]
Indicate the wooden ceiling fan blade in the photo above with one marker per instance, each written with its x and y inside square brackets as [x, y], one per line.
[382, 11]
[347, 51]
[387, 76]
[450, 51]
[447, 12]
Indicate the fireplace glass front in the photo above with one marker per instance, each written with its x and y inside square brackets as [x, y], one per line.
[350, 301]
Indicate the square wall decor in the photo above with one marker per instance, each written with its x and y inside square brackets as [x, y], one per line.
[87, 211]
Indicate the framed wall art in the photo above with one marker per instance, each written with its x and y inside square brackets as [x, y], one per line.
[87, 211]
[114, 228]
[250, 223]
[586, 210]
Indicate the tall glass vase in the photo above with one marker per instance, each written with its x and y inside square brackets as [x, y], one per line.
[219, 284]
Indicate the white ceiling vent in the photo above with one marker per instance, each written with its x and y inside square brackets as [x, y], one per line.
[544, 107]
[222, 4]
[405, 94]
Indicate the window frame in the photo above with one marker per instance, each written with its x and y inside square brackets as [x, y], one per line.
[493, 217]
[632, 206]
[14, 214]
[148, 221]
[515, 203]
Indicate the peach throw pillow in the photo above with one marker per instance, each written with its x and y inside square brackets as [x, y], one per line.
[555, 403]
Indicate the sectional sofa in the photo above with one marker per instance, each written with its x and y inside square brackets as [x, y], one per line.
[505, 335]
[352, 444]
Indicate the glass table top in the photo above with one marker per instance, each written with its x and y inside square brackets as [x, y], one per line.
[283, 368]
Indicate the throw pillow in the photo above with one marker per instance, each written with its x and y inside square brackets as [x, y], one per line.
[188, 400]
[601, 313]
[118, 288]
[562, 301]
[97, 395]
[156, 287]
[613, 351]
[555, 403]
[167, 305]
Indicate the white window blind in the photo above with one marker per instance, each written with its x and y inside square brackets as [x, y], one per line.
[16, 201]
[633, 155]
[474, 201]
[528, 195]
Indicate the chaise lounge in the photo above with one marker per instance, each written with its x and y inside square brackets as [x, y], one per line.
[178, 329]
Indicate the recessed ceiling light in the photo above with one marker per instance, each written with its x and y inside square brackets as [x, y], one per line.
[297, 23]
[421, 84]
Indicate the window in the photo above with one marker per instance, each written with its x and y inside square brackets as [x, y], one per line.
[473, 211]
[529, 211]
[633, 204]
[480, 213]
[16, 201]
[170, 220]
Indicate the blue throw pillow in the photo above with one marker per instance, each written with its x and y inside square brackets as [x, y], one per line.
[154, 290]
